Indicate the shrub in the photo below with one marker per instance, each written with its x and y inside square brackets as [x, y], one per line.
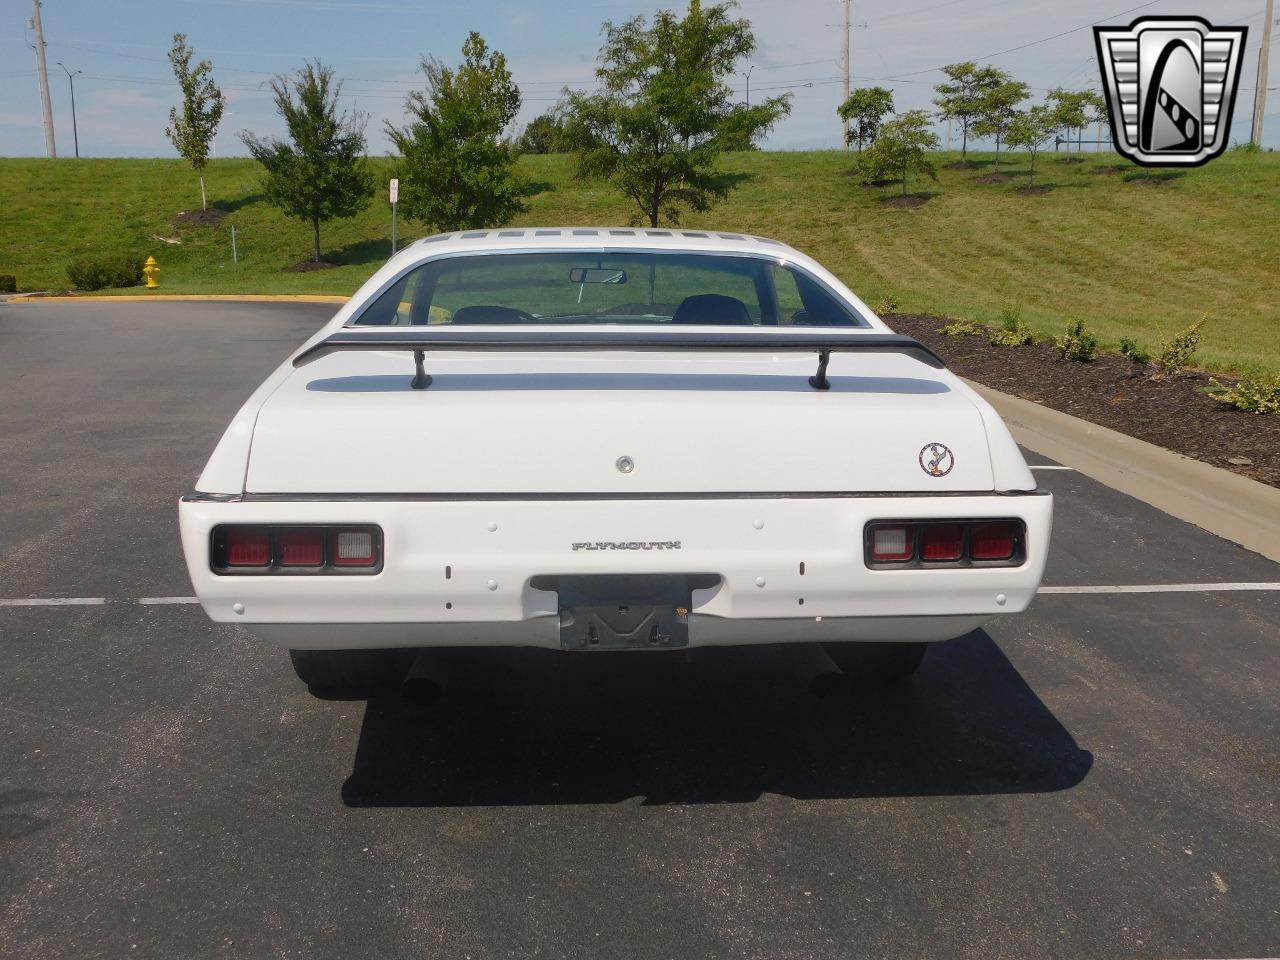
[1250, 394]
[90, 273]
[8, 283]
[963, 328]
[888, 304]
[1176, 354]
[1078, 343]
[1013, 331]
[1131, 349]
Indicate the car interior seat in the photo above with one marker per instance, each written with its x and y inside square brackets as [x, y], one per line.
[712, 308]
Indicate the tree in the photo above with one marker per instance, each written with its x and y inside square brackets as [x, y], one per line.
[322, 173]
[1076, 109]
[456, 169]
[664, 114]
[963, 95]
[900, 149]
[545, 133]
[998, 111]
[865, 110]
[1032, 129]
[192, 131]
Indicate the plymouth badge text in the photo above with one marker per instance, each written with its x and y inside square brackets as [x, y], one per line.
[628, 545]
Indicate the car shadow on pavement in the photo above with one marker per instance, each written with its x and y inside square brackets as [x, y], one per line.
[723, 725]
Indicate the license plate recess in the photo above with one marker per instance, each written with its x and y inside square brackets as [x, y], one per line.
[624, 611]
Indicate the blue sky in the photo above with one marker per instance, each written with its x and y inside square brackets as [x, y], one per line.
[126, 88]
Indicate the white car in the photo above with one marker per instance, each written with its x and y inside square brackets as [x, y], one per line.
[610, 439]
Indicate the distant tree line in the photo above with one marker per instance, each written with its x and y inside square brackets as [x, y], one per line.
[661, 117]
[983, 100]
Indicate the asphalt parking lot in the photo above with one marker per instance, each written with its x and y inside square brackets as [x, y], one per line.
[1096, 777]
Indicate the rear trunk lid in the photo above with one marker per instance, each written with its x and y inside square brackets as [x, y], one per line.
[571, 423]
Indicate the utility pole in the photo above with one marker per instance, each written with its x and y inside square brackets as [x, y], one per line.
[1260, 97]
[845, 121]
[71, 79]
[747, 77]
[50, 148]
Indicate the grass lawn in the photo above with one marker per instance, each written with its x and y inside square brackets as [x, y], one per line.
[1126, 255]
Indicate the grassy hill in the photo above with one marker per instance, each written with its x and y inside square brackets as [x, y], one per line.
[1126, 253]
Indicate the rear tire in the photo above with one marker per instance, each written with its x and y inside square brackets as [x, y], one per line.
[350, 673]
[883, 663]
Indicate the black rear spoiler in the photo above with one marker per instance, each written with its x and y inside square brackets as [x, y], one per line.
[420, 340]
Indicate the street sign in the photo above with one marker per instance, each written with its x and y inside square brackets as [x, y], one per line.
[395, 191]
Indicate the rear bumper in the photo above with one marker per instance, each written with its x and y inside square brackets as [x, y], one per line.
[458, 572]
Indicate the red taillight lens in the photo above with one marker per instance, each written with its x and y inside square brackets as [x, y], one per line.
[991, 541]
[248, 547]
[892, 544]
[301, 548]
[354, 548]
[941, 541]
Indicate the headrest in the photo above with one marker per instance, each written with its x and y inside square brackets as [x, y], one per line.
[712, 308]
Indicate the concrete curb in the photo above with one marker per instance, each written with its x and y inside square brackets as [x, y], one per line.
[1222, 502]
[138, 298]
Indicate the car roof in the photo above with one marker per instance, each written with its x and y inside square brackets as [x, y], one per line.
[560, 238]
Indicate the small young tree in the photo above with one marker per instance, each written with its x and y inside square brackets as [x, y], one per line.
[665, 113]
[1032, 129]
[456, 169]
[193, 130]
[963, 96]
[998, 111]
[1075, 109]
[865, 110]
[321, 173]
[545, 134]
[901, 149]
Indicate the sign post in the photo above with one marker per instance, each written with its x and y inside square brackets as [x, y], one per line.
[395, 198]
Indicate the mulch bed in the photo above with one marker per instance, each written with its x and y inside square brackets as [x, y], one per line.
[905, 203]
[200, 218]
[961, 165]
[1036, 191]
[1114, 392]
[307, 266]
[993, 178]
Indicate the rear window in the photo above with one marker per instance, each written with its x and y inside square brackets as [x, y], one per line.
[608, 288]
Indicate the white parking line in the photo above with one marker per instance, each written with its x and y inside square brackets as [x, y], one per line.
[1049, 466]
[1164, 588]
[93, 601]
[57, 602]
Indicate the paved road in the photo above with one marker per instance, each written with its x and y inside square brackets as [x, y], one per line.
[1097, 777]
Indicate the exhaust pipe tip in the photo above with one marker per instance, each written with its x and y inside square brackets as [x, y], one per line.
[423, 685]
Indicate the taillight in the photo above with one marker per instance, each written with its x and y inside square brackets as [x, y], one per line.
[892, 544]
[295, 549]
[248, 547]
[913, 544]
[941, 541]
[301, 547]
[992, 541]
[354, 548]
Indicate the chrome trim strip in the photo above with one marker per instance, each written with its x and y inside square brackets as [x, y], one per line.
[198, 497]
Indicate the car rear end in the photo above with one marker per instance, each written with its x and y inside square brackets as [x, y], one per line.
[658, 484]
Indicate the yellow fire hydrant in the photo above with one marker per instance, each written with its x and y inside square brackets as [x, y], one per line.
[151, 271]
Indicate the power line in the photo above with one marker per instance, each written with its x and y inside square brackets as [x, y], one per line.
[1031, 43]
